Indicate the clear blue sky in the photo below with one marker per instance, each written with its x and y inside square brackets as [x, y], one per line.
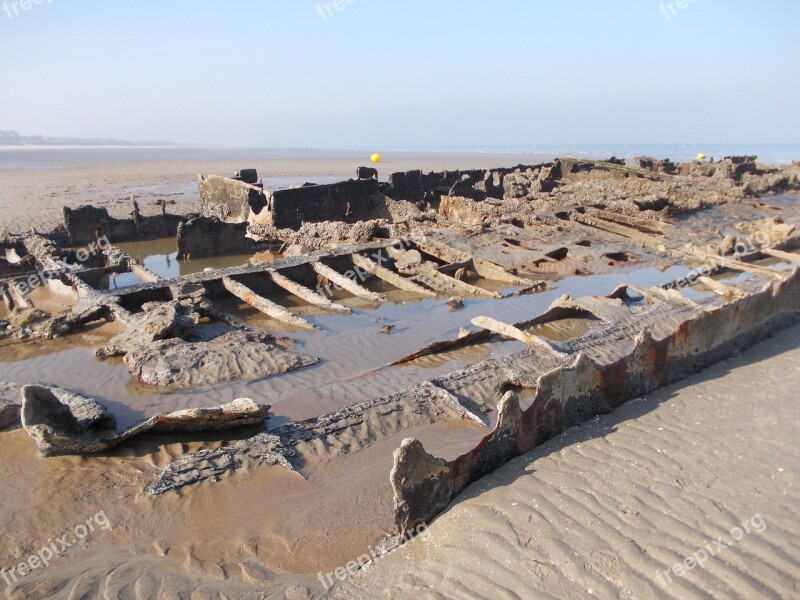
[403, 73]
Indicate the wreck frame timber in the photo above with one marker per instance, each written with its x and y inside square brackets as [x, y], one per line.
[295, 274]
[644, 338]
[649, 338]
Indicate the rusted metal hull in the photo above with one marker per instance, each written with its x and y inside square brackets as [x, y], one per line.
[584, 387]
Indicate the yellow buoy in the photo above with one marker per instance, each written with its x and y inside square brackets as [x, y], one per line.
[701, 156]
[376, 158]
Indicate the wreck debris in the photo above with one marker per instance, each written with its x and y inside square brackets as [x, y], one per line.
[346, 283]
[455, 303]
[390, 277]
[446, 285]
[292, 444]
[639, 342]
[234, 201]
[209, 236]
[470, 234]
[65, 423]
[657, 166]
[157, 321]
[366, 173]
[594, 381]
[633, 206]
[9, 406]
[213, 463]
[87, 224]
[114, 304]
[512, 332]
[305, 293]
[266, 306]
[166, 345]
[228, 357]
[230, 200]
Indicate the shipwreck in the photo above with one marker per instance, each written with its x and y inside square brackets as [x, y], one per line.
[489, 239]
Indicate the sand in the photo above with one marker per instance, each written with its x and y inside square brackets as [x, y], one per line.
[36, 182]
[601, 508]
[599, 511]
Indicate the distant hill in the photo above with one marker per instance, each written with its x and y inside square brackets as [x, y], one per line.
[12, 138]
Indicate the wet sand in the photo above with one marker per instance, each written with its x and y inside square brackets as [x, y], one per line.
[261, 525]
[599, 511]
[601, 508]
[267, 531]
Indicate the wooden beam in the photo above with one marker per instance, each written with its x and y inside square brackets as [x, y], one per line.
[390, 277]
[268, 307]
[484, 268]
[306, 294]
[447, 285]
[143, 273]
[442, 251]
[646, 225]
[721, 289]
[6, 297]
[21, 300]
[787, 256]
[739, 265]
[616, 229]
[346, 283]
[510, 331]
[82, 289]
[490, 270]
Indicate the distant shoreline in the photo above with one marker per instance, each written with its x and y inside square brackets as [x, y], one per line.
[7, 147]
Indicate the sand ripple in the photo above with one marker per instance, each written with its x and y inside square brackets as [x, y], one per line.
[600, 510]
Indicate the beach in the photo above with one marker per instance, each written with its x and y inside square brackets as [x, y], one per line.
[609, 508]
[606, 509]
[36, 182]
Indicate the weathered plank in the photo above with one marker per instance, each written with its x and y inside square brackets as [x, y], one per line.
[510, 331]
[346, 283]
[390, 277]
[787, 256]
[143, 273]
[721, 289]
[268, 307]
[306, 294]
[445, 284]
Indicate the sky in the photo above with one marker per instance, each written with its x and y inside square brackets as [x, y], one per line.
[402, 73]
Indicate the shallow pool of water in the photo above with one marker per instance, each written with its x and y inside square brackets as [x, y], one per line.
[161, 257]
